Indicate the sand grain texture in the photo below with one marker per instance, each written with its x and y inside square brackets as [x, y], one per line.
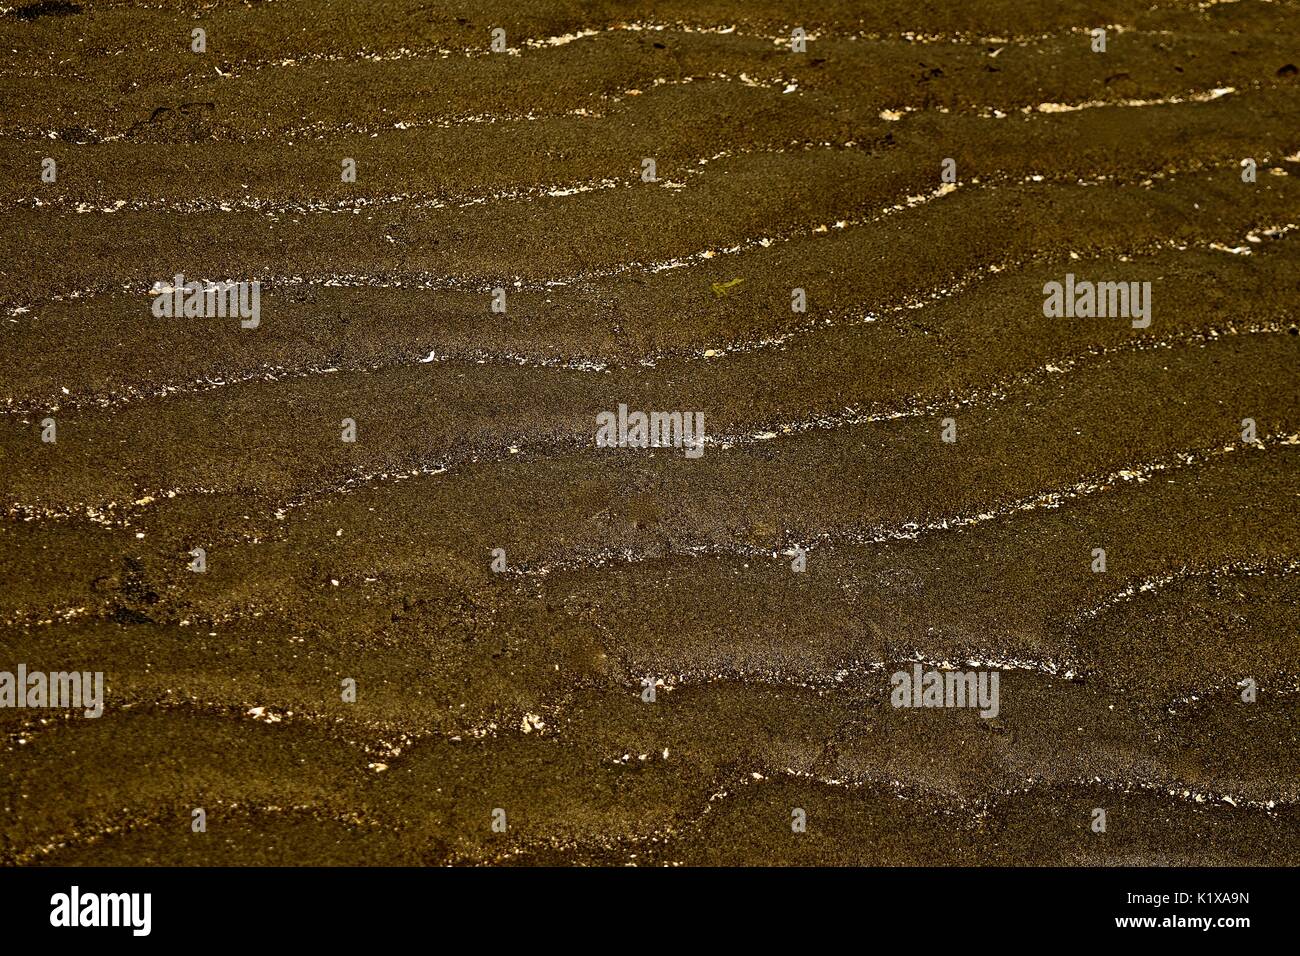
[521, 690]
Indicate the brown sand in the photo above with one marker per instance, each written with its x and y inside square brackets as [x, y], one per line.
[522, 690]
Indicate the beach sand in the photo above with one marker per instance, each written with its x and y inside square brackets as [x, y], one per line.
[523, 689]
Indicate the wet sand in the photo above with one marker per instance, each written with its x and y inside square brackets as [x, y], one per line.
[522, 689]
